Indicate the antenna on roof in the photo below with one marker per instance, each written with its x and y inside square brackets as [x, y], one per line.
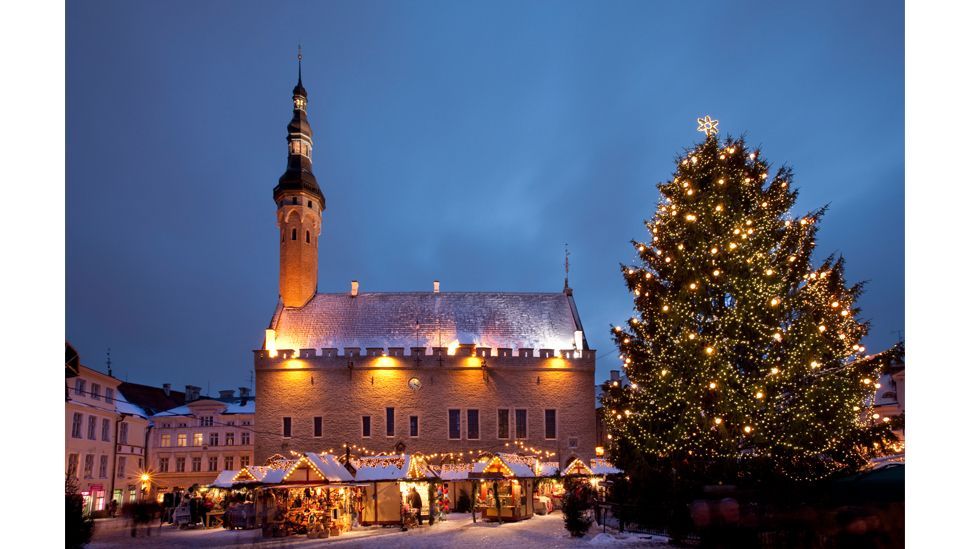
[566, 280]
[108, 361]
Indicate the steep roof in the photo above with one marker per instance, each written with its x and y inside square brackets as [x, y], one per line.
[426, 319]
[152, 399]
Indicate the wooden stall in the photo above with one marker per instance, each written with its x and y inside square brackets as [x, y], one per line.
[392, 485]
[504, 488]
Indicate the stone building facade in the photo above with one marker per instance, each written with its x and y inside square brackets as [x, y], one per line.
[411, 371]
[191, 444]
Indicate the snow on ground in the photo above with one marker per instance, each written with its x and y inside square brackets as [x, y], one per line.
[458, 531]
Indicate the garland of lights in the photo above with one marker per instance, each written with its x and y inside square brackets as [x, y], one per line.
[742, 349]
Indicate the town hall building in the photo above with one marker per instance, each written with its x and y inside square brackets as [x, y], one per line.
[420, 371]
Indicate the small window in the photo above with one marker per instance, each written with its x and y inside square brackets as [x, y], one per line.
[181, 439]
[76, 425]
[214, 439]
[246, 438]
[124, 433]
[390, 425]
[414, 426]
[165, 441]
[521, 424]
[163, 465]
[109, 395]
[196, 464]
[474, 425]
[212, 463]
[550, 424]
[229, 441]
[180, 464]
[503, 423]
[309, 203]
[96, 391]
[294, 234]
[121, 472]
[286, 427]
[198, 439]
[106, 434]
[308, 237]
[317, 425]
[454, 424]
[367, 426]
[294, 200]
[245, 461]
[229, 462]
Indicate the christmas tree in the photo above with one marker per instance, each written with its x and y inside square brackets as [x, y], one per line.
[742, 350]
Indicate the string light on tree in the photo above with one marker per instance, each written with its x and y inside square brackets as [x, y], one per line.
[731, 267]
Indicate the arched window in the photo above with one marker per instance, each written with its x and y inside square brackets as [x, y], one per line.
[308, 237]
[294, 234]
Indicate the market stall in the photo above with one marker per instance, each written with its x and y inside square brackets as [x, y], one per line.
[311, 494]
[236, 504]
[548, 495]
[398, 489]
[504, 488]
[456, 484]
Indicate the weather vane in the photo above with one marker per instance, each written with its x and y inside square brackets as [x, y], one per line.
[707, 125]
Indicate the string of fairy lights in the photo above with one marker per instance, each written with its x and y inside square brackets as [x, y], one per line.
[741, 347]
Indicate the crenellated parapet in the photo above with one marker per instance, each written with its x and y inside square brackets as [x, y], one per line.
[465, 356]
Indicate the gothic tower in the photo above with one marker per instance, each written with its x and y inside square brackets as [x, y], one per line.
[300, 205]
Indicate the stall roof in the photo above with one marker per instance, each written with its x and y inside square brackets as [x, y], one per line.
[548, 468]
[522, 466]
[329, 466]
[601, 466]
[225, 479]
[460, 471]
[577, 468]
[392, 467]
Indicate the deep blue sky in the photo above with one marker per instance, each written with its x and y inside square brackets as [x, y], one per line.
[453, 140]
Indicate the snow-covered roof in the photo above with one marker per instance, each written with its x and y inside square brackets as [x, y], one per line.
[600, 466]
[425, 319]
[234, 407]
[392, 467]
[123, 406]
[548, 468]
[577, 467]
[225, 479]
[329, 466]
[457, 471]
[517, 466]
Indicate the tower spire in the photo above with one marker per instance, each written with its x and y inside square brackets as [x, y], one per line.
[299, 64]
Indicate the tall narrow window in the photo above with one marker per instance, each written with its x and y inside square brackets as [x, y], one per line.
[503, 423]
[317, 426]
[121, 467]
[414, 426]
[76, 425]
[246, 438]
[390, 425]
[286, 427]
[474, 425]
[214, 439]
[521, 424]
[163, 465]
[367, 426]
[79, 386]
[212, 463]
[109, 395]
[196, 464]
[198, 439]
[73, 465]
[124, 433]
[550, 424]
[294, 234]
[106, 434]
[181, 439]
[103, 466]
[180, 464]
[229, 440]
[454, 424]
[91, 427]
[89, 465]
[229, 462]
[308, 237]
[96, 392]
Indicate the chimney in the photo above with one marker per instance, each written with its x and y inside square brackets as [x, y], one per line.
[437, 286]
[354, 291]
[245, 391]
[226, 394]
[614, 375]
[166, 388]
[192, 393]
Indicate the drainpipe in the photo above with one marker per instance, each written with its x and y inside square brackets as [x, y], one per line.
[115, 458]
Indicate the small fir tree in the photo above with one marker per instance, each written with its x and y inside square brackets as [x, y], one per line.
[742, 351]
[577, 502]
[78, 526]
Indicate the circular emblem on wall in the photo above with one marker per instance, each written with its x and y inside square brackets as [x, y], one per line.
[414, 384]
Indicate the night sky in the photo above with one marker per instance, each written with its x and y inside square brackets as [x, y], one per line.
[460, 141]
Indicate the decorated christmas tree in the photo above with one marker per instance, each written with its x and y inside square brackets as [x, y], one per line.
[742, 350]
